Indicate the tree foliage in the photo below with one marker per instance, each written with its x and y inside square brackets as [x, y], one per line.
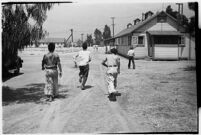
[79, 42]
[98, 36]
[107, 32]
[89, 39]
[21, 25]
[182, 19]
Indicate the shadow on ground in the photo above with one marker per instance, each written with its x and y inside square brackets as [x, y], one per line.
[9, 76]
[31, 93]
[88, 87]
[113, 97]
[189, 68]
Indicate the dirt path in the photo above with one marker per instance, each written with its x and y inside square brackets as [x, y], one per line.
[139, 108]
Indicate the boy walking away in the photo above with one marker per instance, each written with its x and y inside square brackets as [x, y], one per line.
[131, 55]
[50, 63]
[83, 59]
[112, 62]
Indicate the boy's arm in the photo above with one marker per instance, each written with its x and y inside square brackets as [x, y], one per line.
[89, 57]
[103, 62]
[43, 63]
[118, 64]
[59, 66]
[60, 69]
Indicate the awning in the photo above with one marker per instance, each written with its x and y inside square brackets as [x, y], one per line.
[169, 33]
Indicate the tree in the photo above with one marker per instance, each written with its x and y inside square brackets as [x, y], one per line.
[98, 36]
[17, 31]
[107, 32]
[182, 19]
[170, 11]
[89, 40]
[79, 42]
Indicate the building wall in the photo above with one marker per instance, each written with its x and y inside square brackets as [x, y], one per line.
[161, 51]
[162, 27]
[165, 51]
[140, 52]
[188, 51]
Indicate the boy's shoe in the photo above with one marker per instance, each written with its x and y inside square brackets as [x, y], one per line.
[82, 87]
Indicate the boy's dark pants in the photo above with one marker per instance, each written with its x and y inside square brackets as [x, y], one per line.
[84, 71]
[131, 59]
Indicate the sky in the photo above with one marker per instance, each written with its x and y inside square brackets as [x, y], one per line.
[84, 18]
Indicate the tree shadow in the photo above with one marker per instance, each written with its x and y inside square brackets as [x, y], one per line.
[30, 93]
[9, 76]
[86, 87]
[189, 68]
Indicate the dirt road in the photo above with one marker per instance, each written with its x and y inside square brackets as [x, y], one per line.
[159, 96]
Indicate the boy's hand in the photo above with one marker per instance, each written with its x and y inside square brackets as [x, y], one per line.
[60, 74]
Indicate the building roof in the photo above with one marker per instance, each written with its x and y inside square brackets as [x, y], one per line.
[171, 33]
[134, 27]
[52, 40]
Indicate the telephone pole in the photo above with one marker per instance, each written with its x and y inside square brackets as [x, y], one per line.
[72, 38]
[82, 37]
[113, 25]
[179, 20]
[71, 34]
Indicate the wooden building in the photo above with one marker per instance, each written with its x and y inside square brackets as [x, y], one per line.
[59, 42]
[159, 36]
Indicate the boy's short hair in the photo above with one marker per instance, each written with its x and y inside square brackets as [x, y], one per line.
[131, 47]
[51, 47]
[114, 50]
[84, 46]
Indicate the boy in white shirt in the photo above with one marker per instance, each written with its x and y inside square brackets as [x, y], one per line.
[131, 55]
[83, 59]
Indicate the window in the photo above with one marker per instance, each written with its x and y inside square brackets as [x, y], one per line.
[141, 40]
[169, 40]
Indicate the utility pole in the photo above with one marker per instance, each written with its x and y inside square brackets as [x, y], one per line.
[71, 34]
[82, 37]
[72, 38]
[113, 25]
[179, 20]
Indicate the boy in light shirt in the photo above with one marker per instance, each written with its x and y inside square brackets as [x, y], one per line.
[112, 62]
[131, 55]
[83, 59]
